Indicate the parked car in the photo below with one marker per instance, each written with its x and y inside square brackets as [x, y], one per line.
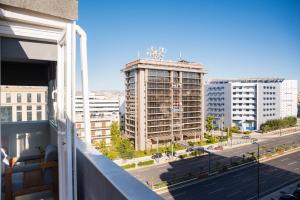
[254, 139]
[199, 149]
[220, 148]
[189, 149]
[156, 156]
[246, 137]
[287, 197]
[210, 147]
[169, 153]
[297, 193]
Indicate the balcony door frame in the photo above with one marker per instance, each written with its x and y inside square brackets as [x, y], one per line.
[14, 24]
[65, 139]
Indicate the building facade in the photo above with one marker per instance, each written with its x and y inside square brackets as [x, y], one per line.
[100, 105]
[100, 129]
[104, 109]
[298, 115]
[247, 103]
[23, 103]
[164, 101]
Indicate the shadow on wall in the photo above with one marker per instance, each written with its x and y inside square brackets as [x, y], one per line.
[24, 138]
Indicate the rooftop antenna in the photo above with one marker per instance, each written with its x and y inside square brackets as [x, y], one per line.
[180, 55]
[156, 53]
[138, 54]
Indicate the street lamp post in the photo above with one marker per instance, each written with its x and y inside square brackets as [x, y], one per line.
[208, 163]
[258, 189]
[157, 145]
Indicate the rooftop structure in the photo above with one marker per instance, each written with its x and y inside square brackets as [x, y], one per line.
[164, 101]
[248, 80]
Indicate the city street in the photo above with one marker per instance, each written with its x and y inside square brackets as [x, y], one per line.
[242, 184]
[170, 170]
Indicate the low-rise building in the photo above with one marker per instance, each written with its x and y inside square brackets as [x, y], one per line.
[23, 103]
[104, 109]
[249, 102]
[100, 129]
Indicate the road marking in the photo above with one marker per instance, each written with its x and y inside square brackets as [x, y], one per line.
[246, 179]
[241, 174]
[179, 194]
[217, 190]
[233, 194]
[297, 168]
[292, 163]
[210, 184]
[284, 159]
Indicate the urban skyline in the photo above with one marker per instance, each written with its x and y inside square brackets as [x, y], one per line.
[132, 112]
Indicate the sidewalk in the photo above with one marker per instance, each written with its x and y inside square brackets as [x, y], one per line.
[237, 142]
[164, 160]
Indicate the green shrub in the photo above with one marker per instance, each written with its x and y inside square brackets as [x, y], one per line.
[196, 153]
[147, 162]
[138, 154]
[190, 143]
[128, 166]
[276, 124]
[235, 129]
[212, 140]
[160, 184]
[182, 156]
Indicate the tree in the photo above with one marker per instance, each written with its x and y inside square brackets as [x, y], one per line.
[115, 131]
[125, 149]
[210, 123]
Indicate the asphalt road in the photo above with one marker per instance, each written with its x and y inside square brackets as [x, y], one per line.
[242, 184]
[171, 170]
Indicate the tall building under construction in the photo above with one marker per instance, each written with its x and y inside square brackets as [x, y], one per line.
[164, 101]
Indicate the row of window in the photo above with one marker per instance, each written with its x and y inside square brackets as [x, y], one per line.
[270, 93]
[216, 109]
[215, 88]
[245, 87]
[240, 93]
[215, 104]
[269, 109]
[19, 97]
[247, 104]
[235, 98]
[247, 115]
[216, 99]
[244, 109]
[269, 87]
[269, 98]
[269, 115]
[269, 104]
[216, 94]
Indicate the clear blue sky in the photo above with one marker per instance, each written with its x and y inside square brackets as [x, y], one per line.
[232, 38]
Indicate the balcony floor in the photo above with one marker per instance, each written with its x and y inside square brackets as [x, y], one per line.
[36, 196]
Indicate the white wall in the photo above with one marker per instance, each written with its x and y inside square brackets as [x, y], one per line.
[288, 98]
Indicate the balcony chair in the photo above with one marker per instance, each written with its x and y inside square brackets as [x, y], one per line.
[45, 179]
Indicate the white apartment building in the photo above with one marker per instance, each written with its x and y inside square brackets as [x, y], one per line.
[23, 103]
[249, 102]
[100, 106]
